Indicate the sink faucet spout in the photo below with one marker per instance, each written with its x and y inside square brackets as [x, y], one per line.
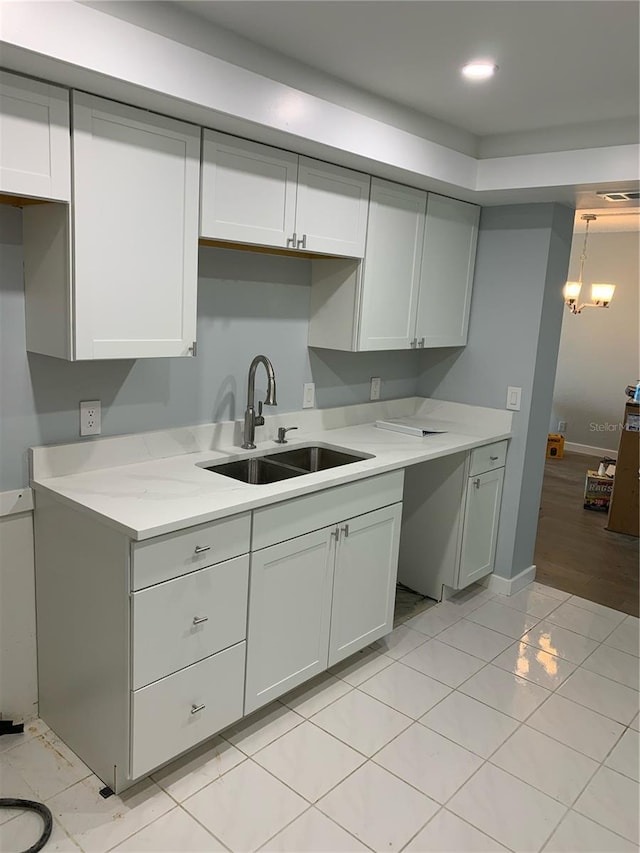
[251, 420]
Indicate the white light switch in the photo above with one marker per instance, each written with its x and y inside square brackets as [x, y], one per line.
[374, 393]
[513, 398]
[309, 395]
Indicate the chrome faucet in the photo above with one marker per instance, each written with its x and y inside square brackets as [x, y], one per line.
[251, 420]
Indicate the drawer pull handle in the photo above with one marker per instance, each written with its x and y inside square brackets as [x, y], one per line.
[200, 549]
[476, 482]
[494, 458]
[196, 708]
[198, 620]
[345, 530]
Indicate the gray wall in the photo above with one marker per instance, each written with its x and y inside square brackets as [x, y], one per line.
[247, 303]
[599, 348]
[516, 315]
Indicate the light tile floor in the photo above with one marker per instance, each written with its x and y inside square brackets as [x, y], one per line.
[481, 724]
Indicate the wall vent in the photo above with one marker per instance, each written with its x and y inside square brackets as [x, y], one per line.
[622, 195]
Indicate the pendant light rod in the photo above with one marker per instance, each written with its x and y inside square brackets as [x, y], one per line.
[588, 218]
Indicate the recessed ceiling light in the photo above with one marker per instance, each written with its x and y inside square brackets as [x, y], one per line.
[479, 70]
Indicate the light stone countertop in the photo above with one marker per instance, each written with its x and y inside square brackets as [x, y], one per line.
[160, 495]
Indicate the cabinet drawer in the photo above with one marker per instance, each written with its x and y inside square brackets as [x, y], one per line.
[184, 620]
[296, 517]
[179, 711]
[488, 457]
[165, 557]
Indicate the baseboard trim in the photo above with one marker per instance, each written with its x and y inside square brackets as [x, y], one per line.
[509, 586]
[588, 450]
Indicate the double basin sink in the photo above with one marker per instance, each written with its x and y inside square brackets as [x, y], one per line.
[284, 464]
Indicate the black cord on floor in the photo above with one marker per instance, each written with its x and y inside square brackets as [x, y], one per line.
[39, 808]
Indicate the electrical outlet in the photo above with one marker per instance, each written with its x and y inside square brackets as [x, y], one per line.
[374, 393]
[562, 426]
[513, 398]
[90, 417]
[309, 395]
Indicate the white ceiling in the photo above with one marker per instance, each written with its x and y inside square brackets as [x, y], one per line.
[561, 62]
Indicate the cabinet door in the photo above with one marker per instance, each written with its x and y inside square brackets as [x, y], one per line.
[135, 231]
[35, 151]
[480, 527]
[332, 209]
[248, 191]
[289, 613]
[391, 274]
[446, 278]
[364, 581]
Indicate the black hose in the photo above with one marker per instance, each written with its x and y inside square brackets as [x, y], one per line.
[39, 808]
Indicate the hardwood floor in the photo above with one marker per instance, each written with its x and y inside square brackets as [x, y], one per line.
[574, 551]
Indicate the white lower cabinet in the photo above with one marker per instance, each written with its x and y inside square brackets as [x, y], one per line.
[289, 615]
[328, 589]
[147, 648]
[319, 598]
[480, 527]
[186, 619]
[183, 709]
[364, 581]
[451, 514]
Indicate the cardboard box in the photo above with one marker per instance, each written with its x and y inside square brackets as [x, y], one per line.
[597, 492]
[555, 446]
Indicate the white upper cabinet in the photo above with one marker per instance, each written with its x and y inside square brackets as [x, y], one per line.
[34, 139]
[332, 209]
[255, 194]
[391, 268]
[248, 191]
[124, 285]
[446, 278]
[413, 289]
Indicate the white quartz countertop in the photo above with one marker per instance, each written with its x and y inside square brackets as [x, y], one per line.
[161, 495]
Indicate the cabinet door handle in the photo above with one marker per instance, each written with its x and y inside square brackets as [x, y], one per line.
[336, 533]
[421, 342]
[198, 620]
[196, 708]
[476, 482]
[302, 244]
[413, 343]
[200, 549]
[494, 458]
[345, 530]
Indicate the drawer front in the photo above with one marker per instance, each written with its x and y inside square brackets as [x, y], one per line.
[183, 709]
[488, 457]
[298, 516]
[181, 621]
[165, 557]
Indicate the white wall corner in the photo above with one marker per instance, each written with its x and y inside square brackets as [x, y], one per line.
[509, 586]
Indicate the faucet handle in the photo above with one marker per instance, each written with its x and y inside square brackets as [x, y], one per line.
[259, 419]
[282, 431]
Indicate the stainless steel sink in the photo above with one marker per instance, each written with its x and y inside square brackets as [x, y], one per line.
[284, 464]
[311, 459]
[257, 471]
